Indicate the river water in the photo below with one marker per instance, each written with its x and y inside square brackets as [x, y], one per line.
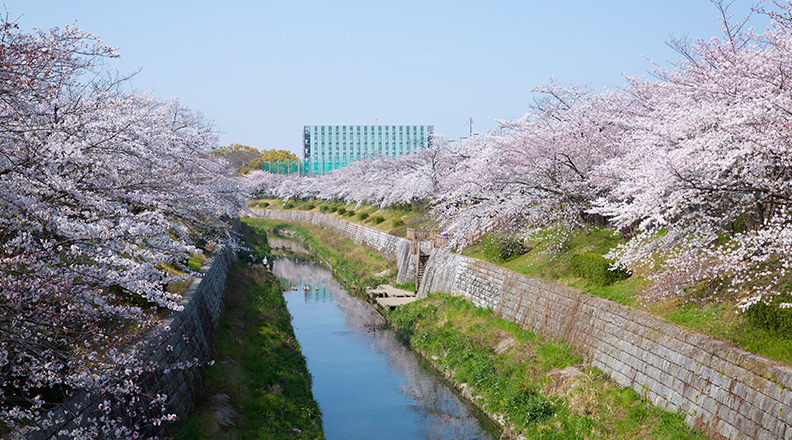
[368, 385]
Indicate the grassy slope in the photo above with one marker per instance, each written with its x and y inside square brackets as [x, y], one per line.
[260, 387]
[518, 376]
[407, 214]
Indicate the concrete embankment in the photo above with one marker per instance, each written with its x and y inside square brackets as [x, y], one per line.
[721, 389]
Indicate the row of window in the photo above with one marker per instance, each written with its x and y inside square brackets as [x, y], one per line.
[341, 132]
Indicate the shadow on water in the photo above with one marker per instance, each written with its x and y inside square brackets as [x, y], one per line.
[368, 384]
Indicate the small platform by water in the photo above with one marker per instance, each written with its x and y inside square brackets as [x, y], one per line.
[387, 297]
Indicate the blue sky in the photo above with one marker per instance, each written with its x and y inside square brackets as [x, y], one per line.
[261, 70]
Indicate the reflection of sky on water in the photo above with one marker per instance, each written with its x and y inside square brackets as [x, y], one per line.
[367, 383]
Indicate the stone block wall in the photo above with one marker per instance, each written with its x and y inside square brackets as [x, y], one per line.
[392, 248]
[185, 336]
[720, 388]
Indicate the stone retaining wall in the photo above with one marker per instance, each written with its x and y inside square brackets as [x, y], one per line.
[720, 388]
[185, 336]
[392, 248]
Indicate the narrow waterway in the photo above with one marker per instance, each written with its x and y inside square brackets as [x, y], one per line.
[368, 385]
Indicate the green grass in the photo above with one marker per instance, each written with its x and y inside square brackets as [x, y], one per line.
[194, 263]
[517, 374]
[406, 286]
[394, 220]
[721, 320]
[259, 368]
[556, 266]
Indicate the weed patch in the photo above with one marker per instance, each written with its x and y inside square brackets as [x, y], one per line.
[259, 386]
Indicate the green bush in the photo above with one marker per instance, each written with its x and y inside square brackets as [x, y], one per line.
[333, 208]
[309, 207]
[362, 215]
[596, 268]
[377, 219]
[406, 286]
[341, 210]
[503, 247]
[263, 204]
[351, 213]
[398, 222]
[772, 317]
[288, 205]
[324, 208]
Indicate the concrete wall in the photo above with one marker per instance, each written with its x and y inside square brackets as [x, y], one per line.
[189, 332]
[392, 248]
[721, 389]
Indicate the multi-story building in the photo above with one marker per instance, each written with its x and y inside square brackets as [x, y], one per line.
[329, 147]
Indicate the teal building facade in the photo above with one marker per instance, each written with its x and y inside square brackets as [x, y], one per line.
[329, 147]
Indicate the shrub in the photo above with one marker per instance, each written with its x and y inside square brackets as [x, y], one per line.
[333, 208]
[596, 268]
[398, 222]
[341, 210]
[324, 208]
[771, 317]
[350, 213]
[377, 219]
[288, 205]
[362, 215]
[309, 206]
[503, 247]
[263, 204]
[406, 286]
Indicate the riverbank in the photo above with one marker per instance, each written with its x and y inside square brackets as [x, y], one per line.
[535, 388]
[259, 385]
[523, 372]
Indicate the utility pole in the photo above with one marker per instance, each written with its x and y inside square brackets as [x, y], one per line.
[471, 127]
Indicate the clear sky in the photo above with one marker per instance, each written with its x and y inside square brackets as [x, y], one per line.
[261, 70]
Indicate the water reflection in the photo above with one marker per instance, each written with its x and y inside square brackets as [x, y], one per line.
[367, 383]
[282, 243]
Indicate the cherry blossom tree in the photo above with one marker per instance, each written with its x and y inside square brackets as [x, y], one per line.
[708, 176]
[380, 181]
[99, 189]
[535, 171]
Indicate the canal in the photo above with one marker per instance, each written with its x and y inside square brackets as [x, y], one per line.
[368, 385]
